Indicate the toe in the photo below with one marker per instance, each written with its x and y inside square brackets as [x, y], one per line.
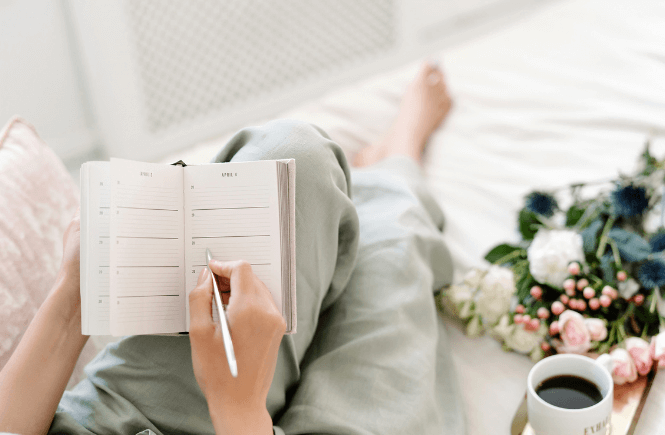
[426, 69]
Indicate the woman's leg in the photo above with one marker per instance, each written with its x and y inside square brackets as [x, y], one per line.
[378, 361]
[374, 365]
[147, 382]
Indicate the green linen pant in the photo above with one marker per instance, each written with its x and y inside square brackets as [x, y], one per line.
[370, 355]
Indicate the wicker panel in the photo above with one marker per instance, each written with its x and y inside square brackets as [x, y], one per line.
[199, 57]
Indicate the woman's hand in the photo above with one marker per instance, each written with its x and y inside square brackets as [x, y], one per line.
[236, 405]
[68, 281]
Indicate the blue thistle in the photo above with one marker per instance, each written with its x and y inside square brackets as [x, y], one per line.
[541, 203]
[629, 201]
[657, 242]
[652, 273]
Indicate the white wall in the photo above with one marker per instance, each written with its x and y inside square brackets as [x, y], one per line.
[38, 77]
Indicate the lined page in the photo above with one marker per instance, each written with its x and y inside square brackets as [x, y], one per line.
[95, 211]
[232, 209]
[147, 259]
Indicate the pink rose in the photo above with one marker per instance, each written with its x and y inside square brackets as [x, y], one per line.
[657, 349]
[623, 367]
[639, 350]
[574, 333]
[597, 329]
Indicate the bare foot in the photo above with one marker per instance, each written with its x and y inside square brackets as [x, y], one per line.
[424, 106]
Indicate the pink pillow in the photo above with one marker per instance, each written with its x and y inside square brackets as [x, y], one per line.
[37, 201]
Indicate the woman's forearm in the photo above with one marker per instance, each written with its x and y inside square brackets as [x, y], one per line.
[35, 377]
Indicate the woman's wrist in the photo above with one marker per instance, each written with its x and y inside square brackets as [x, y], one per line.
[66, 296]
[235, 420]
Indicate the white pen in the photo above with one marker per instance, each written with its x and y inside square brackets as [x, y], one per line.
[228, 344]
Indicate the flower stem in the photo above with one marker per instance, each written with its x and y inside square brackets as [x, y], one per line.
[545, 222]
[615, 252]
[597, 281]
[603, 237]
[622, 333]
[654, 298]
[610, 337]
[506, 258]
[589, 213]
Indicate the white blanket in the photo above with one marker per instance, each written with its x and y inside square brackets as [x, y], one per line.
[570, 93]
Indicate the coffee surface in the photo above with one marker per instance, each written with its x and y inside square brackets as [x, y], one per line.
[570, 392]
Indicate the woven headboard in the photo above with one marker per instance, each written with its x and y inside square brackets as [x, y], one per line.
[162, 74]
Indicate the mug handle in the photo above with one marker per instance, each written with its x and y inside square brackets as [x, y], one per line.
[605, 361]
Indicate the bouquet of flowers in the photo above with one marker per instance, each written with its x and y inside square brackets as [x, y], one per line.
[585, 279]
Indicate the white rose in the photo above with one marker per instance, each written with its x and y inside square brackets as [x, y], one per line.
[503, 329]
[550, 253]
[459, 293]
[536, 354]
[496, 292]
[523, 341]
[475, 327]
[473, 278]
[465, 310]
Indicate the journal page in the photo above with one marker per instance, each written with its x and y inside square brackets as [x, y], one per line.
[147, 258]
[233, 209]
[95, 211]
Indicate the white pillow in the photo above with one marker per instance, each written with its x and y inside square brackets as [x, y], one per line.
[37, 201]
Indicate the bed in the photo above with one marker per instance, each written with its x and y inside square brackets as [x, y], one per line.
[569, 93]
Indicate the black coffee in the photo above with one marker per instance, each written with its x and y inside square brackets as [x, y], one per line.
[570, 392]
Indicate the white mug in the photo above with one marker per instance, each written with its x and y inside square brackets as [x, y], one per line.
[547, 419]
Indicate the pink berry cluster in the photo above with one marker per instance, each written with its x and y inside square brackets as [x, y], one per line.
[578, 295]
[542, 314]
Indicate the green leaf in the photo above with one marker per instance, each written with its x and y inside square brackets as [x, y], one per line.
[590, 236]
[604, 348]
[500, 252]
[631, 246]
[573, 215]
[528, 224]
[607, 267]
[523, 283]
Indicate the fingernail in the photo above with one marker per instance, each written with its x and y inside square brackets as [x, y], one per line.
[203, 275]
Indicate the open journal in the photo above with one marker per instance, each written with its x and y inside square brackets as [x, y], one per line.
[145, 228]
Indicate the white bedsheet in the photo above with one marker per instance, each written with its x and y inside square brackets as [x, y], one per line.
[569, 93]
